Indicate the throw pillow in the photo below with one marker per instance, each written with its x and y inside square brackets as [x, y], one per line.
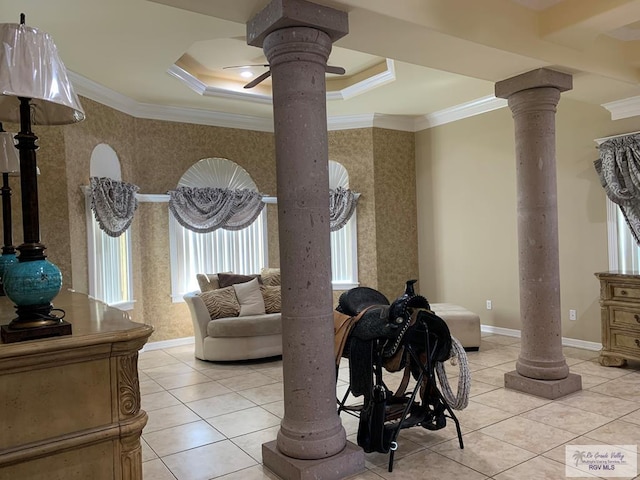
[207, 281]
[271, 276]
[250, 298]
[272, 300]
[228, 279]
[221, 303]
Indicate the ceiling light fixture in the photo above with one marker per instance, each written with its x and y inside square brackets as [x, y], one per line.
[246, 74]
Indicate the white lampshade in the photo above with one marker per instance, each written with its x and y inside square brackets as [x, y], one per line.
[31, 68]
[9, 159]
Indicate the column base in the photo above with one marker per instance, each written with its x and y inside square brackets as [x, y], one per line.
[550, 389]
[344, 464]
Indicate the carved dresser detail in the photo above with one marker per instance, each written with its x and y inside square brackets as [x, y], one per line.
[620, 313]
[71, 404]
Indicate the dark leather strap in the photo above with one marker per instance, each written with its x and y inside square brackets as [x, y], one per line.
[405, 378]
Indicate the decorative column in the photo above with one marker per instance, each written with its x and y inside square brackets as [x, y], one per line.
[297, 36]
[541, 368]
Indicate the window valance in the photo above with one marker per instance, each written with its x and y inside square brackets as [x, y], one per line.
[342, 204]
[113, 203]
[205, 209]
[619, 171]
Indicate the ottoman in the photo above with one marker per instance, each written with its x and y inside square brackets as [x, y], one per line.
[463, 324]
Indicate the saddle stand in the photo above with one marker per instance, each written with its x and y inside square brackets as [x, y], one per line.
[385, 414]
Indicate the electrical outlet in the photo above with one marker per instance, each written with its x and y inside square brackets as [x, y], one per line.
[573, 315]
[489, 305]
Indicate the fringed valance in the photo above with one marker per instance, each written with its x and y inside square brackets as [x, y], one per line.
[342, 204]
[204, 210]
[113, 203]
[619, 171]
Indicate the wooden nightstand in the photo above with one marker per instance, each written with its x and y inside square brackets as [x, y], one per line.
[620, 310]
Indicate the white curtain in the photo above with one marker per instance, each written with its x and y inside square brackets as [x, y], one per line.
[619, 171]
[113, 203]
[205, 209]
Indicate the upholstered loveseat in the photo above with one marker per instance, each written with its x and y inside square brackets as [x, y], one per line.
[236, 317]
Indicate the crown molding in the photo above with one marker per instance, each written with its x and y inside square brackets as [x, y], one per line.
[395, 122]
[370, 83]
[348, 122]
[96, 92]
[208, 91]
[459, 112]
[625, 108]
[124, 104]
[204, 117]
[369, 120]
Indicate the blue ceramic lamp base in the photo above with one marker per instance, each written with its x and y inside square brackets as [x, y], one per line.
[32, 285]
[6, 260]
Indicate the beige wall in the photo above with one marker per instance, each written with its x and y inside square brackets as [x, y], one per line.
[154, 155]
[466, 195]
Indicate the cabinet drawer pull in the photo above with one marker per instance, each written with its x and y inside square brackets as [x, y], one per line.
[637, 317]
[623, 292]
[637, 342]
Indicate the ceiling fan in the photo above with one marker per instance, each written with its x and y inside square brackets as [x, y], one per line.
[267, 74]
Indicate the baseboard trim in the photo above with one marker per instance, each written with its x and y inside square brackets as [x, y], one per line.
[507, 332]
[572, 342]
[567, 342]
[175, 342]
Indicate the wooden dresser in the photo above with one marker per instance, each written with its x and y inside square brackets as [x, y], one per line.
[70, 407]
[620, 311]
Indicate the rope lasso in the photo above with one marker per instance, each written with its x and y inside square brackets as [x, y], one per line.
[461, 400]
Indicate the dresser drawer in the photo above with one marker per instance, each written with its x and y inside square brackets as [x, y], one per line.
[625, 318]
[626, 342]
[625, 292]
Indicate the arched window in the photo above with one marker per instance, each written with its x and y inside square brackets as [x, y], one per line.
[109, 258]
[240, 251]
[344, 242]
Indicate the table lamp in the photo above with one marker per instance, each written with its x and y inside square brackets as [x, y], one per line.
[34, 89]
[9, 166]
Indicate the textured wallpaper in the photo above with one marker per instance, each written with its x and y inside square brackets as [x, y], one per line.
[154, 154]
[395, 193]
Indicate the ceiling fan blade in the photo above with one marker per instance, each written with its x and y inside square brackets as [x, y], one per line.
[259, 79]
[336, 70]
[246, 66]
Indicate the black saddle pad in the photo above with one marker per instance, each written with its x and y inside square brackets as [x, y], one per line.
[353, 301]
[431, 328]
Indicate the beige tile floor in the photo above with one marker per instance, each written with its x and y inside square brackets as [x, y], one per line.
[209, 420]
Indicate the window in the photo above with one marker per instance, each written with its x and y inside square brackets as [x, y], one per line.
[245, 251]
[242, 251]
[624, 253]
[109, 258]
[344, 242]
